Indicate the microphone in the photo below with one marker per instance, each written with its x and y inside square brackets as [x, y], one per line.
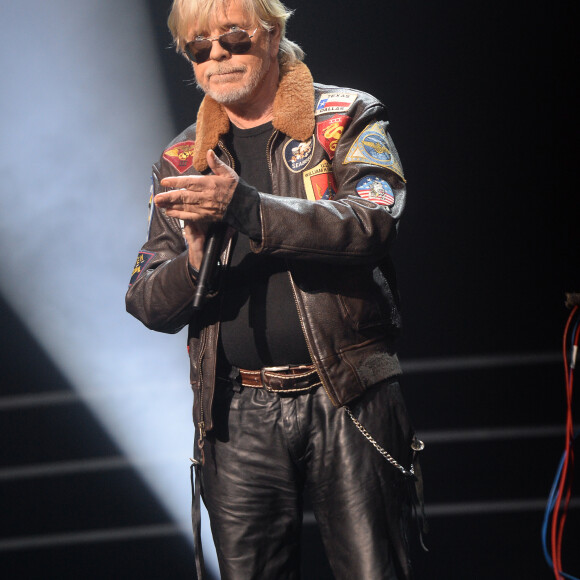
[211, 254]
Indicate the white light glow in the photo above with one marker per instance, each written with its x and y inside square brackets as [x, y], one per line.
[84, 115]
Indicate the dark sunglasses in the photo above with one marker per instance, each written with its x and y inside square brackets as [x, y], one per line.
[235, 42]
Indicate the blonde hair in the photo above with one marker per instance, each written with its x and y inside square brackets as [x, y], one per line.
[266, 13]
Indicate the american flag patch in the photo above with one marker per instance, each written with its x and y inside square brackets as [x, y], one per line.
[375, 189]
[335, 103]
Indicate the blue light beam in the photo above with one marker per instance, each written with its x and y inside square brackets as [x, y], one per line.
[84, 115]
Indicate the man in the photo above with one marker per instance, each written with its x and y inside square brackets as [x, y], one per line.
[293, 365]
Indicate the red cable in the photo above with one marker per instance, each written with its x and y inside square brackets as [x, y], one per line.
[569, 454]
[570, 462]
[557, 530]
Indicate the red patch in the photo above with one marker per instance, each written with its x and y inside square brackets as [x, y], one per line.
[323, 186]
[180, 155]
[319, 182]
[330, 131]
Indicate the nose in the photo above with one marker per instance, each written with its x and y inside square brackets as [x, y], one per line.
[218, 52]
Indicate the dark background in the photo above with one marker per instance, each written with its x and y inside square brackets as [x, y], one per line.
[484, 115]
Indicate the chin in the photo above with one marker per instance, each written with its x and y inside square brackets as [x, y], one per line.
[230, 96]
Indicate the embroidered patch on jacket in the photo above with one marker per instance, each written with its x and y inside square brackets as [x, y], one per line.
[373, 188]
[180, 155]
[319, 182]
[298, 154]
[335, 103]
[330, 131]
[373, 146]
[142, 260]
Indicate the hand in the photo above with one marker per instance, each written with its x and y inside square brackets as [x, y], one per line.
[195, 237]
[199, 198]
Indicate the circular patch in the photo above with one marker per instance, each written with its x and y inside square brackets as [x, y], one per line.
[298, 154]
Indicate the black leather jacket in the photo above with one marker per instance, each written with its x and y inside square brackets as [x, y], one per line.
[329, 143]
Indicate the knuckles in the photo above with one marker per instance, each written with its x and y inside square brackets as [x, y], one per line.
[197, 197]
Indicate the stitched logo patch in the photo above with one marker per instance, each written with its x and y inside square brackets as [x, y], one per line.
[373, 146]
[180, 155]
[330, 131]
[335, 103]
[298, 154]
[375, 189]
[143, 258]
[319, 182]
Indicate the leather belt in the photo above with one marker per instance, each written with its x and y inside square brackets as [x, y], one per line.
[284, 379]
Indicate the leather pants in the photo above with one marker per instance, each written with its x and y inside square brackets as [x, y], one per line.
[265, 447]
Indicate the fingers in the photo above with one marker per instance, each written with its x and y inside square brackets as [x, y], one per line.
[200, 182]
[208, 204]
[218, 167]
[198, 197]
[175, 198]
[176, 182]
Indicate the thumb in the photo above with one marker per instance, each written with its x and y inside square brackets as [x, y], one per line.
[217, 166]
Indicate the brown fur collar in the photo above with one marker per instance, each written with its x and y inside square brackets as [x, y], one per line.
[293, 113]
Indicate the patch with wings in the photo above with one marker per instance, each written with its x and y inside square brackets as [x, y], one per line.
[180, 155]
[373, 146]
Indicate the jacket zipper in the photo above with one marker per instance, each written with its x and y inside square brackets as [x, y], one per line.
[268, 154]
[222, 146]
[302, 325]
[292, 285]
[201, 424]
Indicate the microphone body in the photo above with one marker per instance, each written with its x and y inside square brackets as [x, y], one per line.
[209, 262]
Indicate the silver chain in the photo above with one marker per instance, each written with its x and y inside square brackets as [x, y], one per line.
[383, 452]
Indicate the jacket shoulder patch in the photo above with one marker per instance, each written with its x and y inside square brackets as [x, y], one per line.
[374, 147]
[180, 155]
[377, 190]
[143, 258]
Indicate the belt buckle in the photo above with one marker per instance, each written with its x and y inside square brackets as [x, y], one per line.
[265, 370]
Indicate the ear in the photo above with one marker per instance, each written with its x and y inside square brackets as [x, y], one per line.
[274, 41]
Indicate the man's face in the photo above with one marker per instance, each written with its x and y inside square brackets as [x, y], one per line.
[234, 79]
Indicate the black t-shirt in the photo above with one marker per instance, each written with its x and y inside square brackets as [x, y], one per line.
[260, 325]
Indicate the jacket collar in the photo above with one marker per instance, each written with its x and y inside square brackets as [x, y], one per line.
[293, 113]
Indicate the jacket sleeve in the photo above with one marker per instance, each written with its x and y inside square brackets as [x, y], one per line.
[347, 228]
[161, 287]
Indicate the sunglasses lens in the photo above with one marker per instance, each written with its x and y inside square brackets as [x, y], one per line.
[198, 50]
[236, 42]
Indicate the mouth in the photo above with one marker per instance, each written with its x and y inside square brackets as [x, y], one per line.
[225, 74]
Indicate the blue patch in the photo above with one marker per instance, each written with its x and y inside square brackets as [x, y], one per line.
[298, 154]
[377, 190]
[373, 147]
[142, 260]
